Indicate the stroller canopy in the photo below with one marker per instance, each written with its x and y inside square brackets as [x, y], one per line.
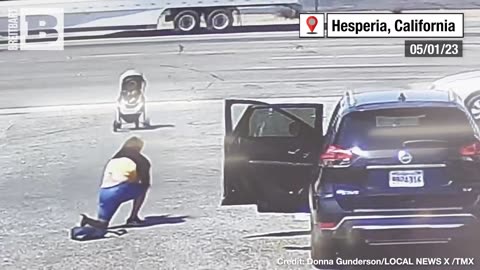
[132, 80]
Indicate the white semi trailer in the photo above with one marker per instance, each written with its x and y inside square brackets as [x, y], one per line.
[186, 15]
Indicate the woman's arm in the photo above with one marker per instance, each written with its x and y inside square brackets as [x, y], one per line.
[145, 181]
[145, 172]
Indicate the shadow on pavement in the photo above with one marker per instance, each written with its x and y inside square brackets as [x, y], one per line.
[151, 127]
[279, 234]
[295, 248]
[89, 233]
[155, 221]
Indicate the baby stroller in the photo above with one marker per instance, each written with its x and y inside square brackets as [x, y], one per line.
[131, 101]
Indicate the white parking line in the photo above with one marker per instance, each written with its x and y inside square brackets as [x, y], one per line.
[388, 65]
[110, 55]
[319, 80]
[336, 56]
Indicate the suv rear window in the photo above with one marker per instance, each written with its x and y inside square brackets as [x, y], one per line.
[391, 128]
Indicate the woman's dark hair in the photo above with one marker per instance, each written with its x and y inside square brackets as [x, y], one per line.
[133, 143]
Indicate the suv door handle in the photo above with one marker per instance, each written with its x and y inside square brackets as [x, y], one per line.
[294, 152]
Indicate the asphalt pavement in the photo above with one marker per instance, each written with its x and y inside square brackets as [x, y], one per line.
[55, 137]
[244, 65]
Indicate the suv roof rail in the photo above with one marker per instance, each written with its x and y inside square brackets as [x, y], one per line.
[350, 98]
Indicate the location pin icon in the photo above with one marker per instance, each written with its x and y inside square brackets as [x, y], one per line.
[312, 23]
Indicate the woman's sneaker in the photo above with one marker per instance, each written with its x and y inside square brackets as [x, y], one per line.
[134, 221]
[93, 222]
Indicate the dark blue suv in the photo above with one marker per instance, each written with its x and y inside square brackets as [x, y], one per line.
[393, 167]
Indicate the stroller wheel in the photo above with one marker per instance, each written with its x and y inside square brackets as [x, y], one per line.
[116, 125]
[146, 123]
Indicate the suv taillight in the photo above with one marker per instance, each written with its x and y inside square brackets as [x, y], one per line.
[470, 150]
[335, 155]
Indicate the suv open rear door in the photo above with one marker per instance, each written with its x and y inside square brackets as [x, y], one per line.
[271, 154]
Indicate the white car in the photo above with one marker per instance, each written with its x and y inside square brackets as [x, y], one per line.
[467, 86]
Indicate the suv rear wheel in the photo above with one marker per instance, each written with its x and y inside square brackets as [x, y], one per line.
[473, 105]
[322, 247]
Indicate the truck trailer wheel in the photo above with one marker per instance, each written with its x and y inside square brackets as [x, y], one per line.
[186, 21]
[219, 20]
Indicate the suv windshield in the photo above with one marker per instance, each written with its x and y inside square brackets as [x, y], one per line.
[392, 128]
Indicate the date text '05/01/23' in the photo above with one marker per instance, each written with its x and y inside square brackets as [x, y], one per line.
[433, 48]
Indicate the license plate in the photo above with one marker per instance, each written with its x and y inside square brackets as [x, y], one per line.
[406, 179]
